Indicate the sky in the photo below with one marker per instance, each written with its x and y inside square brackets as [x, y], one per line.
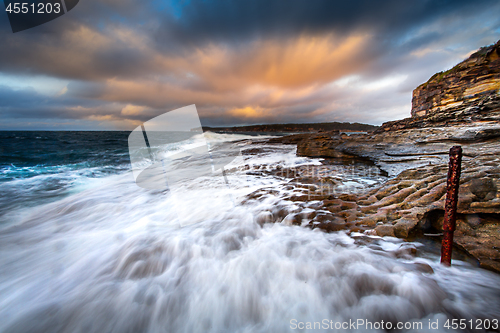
[113, 64]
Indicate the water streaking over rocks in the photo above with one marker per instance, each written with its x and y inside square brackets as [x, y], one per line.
[101, 254]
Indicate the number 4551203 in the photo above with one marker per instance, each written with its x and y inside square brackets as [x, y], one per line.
[478, 324]
[39, 8]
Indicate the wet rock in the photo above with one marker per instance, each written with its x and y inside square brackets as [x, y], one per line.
[406, 251]
[492, 206]
[308, 214]
[279, 213]
[423, 267]
[310, 197]
[350, 215]
[332, 202]
[348, 197]
[473, 220]
[404, 226]
[385, 230]
[482, 187]
[321, 145]
[334, 209]
[329, 226]
[293, 219]
[289, 139]
[372, 220]
[264, 217]
[315, 205]
[322, 216]
[348, 205]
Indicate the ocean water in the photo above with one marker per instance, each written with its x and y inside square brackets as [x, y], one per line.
[84, 249]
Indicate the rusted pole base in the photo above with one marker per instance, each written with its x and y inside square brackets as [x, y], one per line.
[446, 248]
[450, 213]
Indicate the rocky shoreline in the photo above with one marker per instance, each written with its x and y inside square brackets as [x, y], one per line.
[411, 201]
[413, 152]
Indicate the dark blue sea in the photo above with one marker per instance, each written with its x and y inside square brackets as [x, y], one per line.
[39, 167]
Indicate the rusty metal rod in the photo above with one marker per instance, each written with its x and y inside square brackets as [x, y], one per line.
[450, 210]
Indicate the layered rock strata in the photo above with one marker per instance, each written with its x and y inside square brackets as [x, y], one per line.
[470, 80]
[469, 92]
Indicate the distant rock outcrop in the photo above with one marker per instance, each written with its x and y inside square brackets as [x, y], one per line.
[470, 80]
[312, 127]
[469, 92]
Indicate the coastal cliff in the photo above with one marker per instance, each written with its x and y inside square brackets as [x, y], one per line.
[469, 92]
[469, 81]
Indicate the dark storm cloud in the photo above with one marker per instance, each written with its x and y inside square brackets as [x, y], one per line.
[63, 47]
[27, 103]
[74, 45]
[225, 20]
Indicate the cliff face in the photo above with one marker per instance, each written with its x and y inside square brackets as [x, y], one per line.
[467, 93]
[470, 80]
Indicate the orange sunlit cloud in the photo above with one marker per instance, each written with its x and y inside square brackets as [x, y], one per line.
[265, 74]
